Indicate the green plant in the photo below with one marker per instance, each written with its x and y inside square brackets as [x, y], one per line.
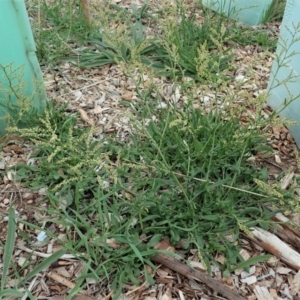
[17, 105]
[177, 53]
[188, 46]
[8, 262]
[275, 11]
[104, 50]
[185, 176]
[249, 36]
[57, 28]
[69, 155]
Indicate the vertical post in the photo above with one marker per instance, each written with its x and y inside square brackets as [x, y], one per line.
[20, 74]
[86, 11]
[284, 83]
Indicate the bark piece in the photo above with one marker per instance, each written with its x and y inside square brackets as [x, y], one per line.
[190, 273]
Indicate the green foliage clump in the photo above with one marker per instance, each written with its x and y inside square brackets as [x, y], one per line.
[180, 51]
[68, 155]
[184, 176]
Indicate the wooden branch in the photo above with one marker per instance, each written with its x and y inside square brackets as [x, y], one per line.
[190, 273]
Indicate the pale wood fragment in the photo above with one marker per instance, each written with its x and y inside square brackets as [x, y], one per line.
[262, 293]
[274, 245]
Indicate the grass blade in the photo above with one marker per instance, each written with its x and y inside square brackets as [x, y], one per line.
[9, 245]
[251, 261]
[44, 264]
[11, 293]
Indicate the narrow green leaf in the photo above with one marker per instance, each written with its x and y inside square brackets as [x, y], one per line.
[251, 210]
[133, 279]
[44, 264]
[137, 252]
[226, 274]
[9, 245]
[11, 293]
[79, 282]
[251, 261]
[218, 183]
[210, 217]
[154, 240]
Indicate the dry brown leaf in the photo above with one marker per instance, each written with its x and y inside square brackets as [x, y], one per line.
[149, 269]
[221, 259]
[290, 138]
[277, 159]
[112, 243]
[13, 148]
[162, 273]
[164, 245]
[127, 96]
[85, 117]
[55, 287]
[97, 110]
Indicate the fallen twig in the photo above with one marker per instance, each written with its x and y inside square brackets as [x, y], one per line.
[187, 271]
